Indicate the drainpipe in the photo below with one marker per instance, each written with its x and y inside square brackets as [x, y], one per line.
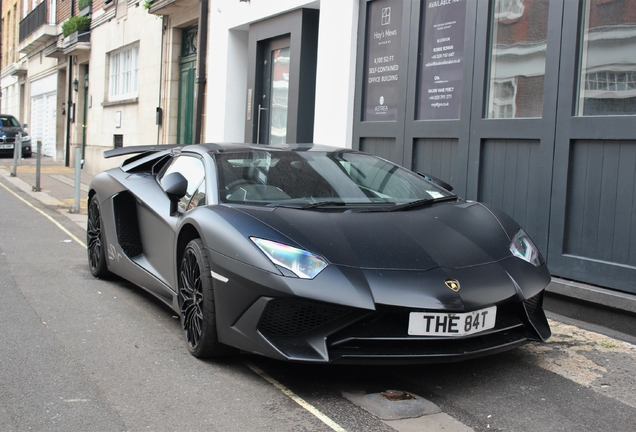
[69, 104]
[201, 60]
[159, 114]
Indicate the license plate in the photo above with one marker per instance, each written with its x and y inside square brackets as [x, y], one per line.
[6, 146]
[451, 324]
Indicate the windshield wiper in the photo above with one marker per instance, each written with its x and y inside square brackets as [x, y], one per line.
[307, 206]
[421, 202]
[322, 204]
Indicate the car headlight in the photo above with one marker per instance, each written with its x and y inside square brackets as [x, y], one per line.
[303, 264]
[522, 247]
[26, 138]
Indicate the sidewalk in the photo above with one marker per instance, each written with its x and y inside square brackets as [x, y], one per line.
[57, 184]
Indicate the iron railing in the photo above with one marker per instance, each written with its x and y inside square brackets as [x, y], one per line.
[33, 21]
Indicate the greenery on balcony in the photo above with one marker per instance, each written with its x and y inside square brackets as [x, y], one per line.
[148, 3]
[76, 23]
[84, 3]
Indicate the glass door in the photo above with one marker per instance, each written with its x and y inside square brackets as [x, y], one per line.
[273, 105]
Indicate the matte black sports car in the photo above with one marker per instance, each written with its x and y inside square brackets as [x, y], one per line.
[311, 253]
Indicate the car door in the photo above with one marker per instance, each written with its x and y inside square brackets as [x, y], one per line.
[157, 225]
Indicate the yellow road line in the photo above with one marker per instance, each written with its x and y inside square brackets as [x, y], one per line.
[300, 401]
[44, 170]
[71, 235]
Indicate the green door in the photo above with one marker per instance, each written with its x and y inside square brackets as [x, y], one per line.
[187, 74]
[186, 103]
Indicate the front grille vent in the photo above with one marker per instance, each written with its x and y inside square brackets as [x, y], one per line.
[292, 318]
[532, 304]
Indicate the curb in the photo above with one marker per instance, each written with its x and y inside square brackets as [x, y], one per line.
[593, 294]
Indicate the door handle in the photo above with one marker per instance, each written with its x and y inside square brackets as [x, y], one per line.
[258, 123]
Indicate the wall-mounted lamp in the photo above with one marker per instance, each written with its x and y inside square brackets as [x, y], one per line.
[244, 1]
[86, 80]
[75, 84]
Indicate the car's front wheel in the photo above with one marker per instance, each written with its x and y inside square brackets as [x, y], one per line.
[196, 304]
[95, 244]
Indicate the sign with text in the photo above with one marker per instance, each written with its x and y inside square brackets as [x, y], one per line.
[382, 68]
[441, 60]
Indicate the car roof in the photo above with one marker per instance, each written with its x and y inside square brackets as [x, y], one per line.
[241, 147]
[216, 148]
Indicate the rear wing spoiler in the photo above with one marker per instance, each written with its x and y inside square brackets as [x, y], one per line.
[145, 158]
[123, 151]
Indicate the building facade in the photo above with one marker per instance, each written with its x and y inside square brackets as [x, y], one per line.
[525, 104]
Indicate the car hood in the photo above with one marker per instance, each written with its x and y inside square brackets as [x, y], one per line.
[12, 131]
[452, 235]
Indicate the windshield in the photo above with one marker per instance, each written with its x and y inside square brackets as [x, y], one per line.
[8, 121]
[313, 179]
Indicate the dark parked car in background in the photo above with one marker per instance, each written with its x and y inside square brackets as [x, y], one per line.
[316, 254]
[9, 129]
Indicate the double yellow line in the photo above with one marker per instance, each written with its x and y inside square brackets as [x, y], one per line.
[287, 392]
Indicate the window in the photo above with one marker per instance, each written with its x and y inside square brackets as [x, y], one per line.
[193, 170]
[124, 70]
[607, 84]
[503, 99]
[508, 10]
[518, 59]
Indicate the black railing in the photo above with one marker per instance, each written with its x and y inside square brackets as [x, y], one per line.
[33, 21]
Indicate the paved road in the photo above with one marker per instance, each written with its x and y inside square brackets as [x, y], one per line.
[81, 354]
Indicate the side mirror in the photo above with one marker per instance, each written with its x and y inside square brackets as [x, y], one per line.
[175, 186]
[25, 126]
[437, 181]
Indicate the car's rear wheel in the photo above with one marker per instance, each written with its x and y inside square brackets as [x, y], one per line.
[95, 244]
[196, 304]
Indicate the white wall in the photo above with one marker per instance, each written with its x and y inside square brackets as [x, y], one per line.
[228, 64]
[137, 119]
[11, 97]
[335, 78]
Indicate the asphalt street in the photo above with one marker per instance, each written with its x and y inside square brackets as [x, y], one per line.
[82, 354]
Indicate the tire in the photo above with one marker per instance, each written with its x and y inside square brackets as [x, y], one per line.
[196, 304]
[95, 244]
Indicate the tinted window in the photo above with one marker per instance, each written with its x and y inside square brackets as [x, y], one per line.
[263, 177]
[9, 121]
[192, 169]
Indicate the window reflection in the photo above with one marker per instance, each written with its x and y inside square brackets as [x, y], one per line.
[518, 50]
[280, 96]
[607, 83]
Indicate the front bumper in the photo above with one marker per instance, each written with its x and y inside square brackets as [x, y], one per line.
[351, 316]
[307, 331]
[7, 146]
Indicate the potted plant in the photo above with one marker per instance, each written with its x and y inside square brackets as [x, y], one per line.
[76, 24]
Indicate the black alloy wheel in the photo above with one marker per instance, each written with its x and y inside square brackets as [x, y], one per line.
[196, 304]
[95, 244]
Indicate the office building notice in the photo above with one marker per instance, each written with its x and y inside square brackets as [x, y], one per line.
[382, 75]
[442, 59]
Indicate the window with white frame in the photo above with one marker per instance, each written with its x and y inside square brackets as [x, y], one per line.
[506, 10]
[123, 73]
[503, 97]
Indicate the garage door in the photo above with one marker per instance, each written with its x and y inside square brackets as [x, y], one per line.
[42, 127]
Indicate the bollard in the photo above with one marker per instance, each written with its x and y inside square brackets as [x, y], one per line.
[17, 153]
[78, 178]
[38, 166]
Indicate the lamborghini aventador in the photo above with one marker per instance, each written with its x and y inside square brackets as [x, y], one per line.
[315, 254]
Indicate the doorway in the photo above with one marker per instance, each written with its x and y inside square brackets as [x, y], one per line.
[271, 122]
[187, 74]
